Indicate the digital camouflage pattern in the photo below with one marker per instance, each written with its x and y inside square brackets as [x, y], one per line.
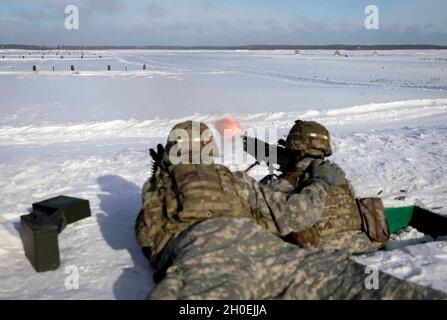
[193, 137]
[340, 225]
[183, 195]
[236, 258]
[223, 248]
[309, 138]
[374, 221]
[165, 212]
[290, 211]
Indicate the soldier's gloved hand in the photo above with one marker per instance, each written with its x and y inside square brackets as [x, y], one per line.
[326, 171]
[157, 156]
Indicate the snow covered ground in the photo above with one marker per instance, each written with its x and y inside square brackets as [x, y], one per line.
[86, 134]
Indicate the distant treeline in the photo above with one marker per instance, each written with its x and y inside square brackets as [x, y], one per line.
[245, 47]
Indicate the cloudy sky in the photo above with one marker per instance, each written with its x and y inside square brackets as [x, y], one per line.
[222, 22]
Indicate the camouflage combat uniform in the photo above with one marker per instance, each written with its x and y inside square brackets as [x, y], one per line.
[280, 213]
[339, 227]
[237, 258]
[213, 234]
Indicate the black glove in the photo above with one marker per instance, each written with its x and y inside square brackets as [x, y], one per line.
[157, 156]
[326, 171]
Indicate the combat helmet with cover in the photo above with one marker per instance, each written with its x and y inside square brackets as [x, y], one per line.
[182, 194]
[342, 211]
[191, 141]
[309, 138]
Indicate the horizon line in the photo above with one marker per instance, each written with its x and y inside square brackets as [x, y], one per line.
[230, 47]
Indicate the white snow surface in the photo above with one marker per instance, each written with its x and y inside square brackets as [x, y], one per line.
[86, 134]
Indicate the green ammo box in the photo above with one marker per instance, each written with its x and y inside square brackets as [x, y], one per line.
[42, 226]
[74, 209]
[40, 243]
[422, 219]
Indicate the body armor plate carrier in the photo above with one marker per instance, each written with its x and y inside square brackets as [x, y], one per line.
[183, 195]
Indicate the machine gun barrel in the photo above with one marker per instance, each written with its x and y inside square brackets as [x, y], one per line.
[267, 153]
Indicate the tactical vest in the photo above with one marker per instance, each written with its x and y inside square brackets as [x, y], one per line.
[340, 212]
[184, 195]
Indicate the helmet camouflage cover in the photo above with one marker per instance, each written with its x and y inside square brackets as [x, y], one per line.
[309, 138]
[192, 137]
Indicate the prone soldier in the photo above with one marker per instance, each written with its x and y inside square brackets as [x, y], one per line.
[346, 223]
[214, 234]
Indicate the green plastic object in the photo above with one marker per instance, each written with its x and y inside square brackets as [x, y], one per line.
[398, 218]
[422, 219]
[41, 228]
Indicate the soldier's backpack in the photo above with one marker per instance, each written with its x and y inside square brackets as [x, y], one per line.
[183, 195]
[374, 222]
[206, 191]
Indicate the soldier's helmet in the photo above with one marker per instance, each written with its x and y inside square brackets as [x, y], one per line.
[309, 138]
[191, 138]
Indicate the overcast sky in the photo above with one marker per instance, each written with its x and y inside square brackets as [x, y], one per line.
[222, 22]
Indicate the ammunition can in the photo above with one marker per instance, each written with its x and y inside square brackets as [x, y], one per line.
[40, 243]
[74, 209]
[42, 226]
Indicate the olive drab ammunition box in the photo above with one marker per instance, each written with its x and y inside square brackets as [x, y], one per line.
[41, 228]
[74, 209]
[40, 243]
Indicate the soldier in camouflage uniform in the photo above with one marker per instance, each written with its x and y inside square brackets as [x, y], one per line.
[340, 224]
[213, 234]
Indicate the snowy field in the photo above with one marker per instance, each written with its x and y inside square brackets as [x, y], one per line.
[87, 133]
